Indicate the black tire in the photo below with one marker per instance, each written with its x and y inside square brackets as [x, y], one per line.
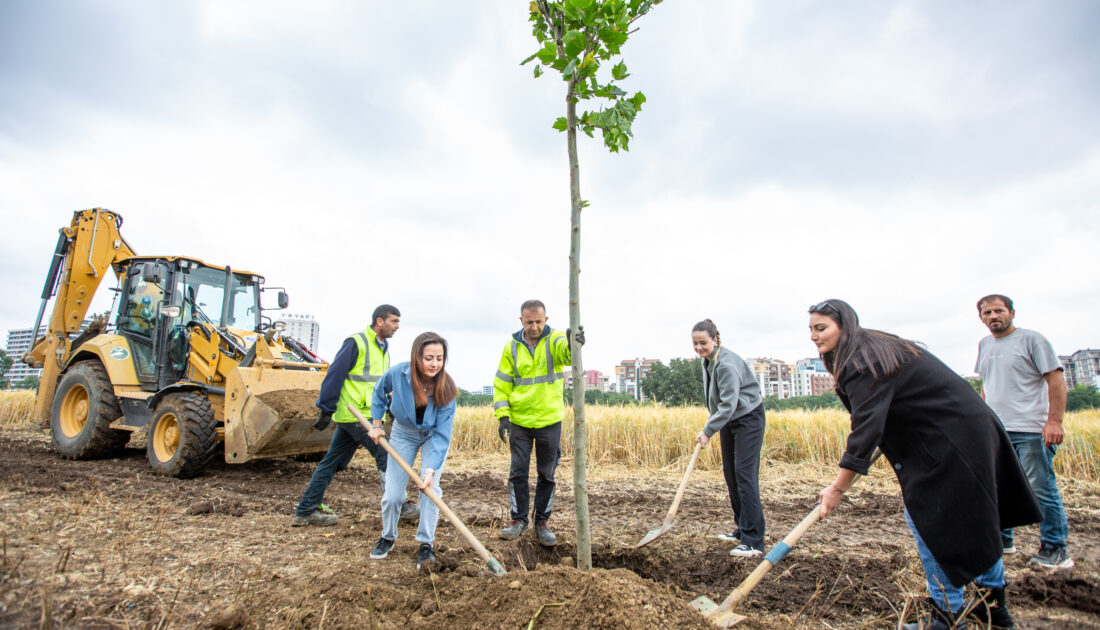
[183, 436]
[310, 457]
[82, 411]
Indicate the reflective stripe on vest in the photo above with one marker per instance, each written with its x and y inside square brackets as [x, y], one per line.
[549, 377]
[366, 376]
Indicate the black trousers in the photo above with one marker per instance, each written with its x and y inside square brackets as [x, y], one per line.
[547, 445]
[741, 440]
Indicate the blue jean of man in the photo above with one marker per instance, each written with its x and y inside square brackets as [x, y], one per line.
[346, 439]
[407, 440]
[947, 596]
[1037, 460]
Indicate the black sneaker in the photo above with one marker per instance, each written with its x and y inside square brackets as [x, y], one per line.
[745, 551]
[1052, 557]
[381, 549]
[425, 556]
[1009, 547]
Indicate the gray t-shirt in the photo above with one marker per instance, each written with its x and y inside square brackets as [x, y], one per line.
[1012, 370]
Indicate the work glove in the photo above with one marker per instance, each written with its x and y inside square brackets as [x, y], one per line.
[322, 421]
[579, 336]
[504, 430]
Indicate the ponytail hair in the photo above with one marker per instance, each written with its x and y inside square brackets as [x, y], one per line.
[708, 327]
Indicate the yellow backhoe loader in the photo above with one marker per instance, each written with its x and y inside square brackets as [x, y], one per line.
[189, 358]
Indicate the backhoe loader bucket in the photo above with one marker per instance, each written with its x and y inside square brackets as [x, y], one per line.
[255, 429]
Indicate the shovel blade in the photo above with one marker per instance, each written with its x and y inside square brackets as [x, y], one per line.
[649, 537]
[495, 566]
[709, 609]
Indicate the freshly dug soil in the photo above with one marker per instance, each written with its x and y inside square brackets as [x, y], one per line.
[108, 544]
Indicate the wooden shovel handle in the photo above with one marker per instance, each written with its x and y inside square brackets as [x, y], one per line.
[683, 484]
[773, 557]
[429, 492]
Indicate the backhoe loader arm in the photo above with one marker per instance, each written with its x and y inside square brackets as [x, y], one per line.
[85, 251]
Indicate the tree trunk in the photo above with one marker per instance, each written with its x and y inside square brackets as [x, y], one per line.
[580, 457]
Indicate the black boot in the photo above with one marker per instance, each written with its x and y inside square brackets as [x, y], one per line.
[990, 608]
[938, 619]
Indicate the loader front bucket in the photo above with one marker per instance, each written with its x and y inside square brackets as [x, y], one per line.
[269, 412]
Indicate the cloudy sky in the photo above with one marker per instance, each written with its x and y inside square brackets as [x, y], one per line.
[908, 157]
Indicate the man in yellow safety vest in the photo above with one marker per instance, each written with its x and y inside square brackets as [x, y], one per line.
[362, 360]
[527, 400]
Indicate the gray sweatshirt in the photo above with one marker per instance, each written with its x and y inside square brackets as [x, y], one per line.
[729, 388]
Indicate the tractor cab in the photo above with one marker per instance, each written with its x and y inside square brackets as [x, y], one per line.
[160, 301]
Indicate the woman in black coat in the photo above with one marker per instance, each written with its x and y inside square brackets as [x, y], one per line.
[960, 479]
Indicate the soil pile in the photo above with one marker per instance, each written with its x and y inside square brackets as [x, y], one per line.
[555, 596]
[292, 403]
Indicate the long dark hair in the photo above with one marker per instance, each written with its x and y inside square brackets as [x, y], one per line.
[444, 386]
[862, 349]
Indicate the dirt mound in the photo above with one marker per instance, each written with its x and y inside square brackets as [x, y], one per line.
[292, 403]
[1064, 589]
[560, 597]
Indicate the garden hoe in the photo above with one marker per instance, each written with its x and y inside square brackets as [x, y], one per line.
[722, 615]
[667, 525]
[491, 562]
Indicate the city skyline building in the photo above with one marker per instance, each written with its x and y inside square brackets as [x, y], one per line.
[303, 328]
[1082, 368]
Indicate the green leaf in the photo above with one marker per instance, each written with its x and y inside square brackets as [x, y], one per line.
[574, 42]
[524, 62]
[618, 71]
[567, 73]
[579, 4]
[538, 71]
[561, 124]
[548, 53]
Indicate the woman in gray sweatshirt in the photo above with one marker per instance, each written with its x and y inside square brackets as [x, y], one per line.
[736, 409]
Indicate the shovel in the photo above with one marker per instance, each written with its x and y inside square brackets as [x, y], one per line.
[722, 615]
[667, 525]
[491, 562]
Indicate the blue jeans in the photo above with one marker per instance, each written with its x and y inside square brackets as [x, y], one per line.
[407, 441]
[347, 438]
[947, 596]
[1037, 460]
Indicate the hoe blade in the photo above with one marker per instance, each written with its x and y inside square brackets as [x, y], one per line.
[710, 610]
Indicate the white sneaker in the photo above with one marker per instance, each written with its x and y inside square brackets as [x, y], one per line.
[745, 551]
[734, 536]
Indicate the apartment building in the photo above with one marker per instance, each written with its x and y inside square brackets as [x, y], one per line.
[303, 328]
[1082, 368]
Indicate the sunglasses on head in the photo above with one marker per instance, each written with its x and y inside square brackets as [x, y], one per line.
[822, 307]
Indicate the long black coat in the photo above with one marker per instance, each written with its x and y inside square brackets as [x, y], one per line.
[960, 478]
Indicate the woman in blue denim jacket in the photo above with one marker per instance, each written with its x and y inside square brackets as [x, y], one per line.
[421, 397]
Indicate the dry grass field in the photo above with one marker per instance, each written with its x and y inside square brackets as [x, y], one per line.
[107, 544]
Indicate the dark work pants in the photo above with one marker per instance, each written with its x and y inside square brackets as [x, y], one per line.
[547, 445]
[347, 438]
[741, 441]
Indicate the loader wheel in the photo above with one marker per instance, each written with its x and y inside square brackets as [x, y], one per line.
[183, 436]
[83, 408]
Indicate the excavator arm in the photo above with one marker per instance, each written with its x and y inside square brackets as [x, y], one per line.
[85, 251]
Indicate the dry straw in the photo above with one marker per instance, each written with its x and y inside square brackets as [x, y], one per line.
[654, 438]
[662, 437]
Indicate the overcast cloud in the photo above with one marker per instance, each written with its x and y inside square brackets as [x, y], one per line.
[908, 157]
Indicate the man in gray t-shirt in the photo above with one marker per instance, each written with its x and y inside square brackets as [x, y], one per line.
[1022, 382]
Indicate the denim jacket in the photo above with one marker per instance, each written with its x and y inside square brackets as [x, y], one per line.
[394, 392]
